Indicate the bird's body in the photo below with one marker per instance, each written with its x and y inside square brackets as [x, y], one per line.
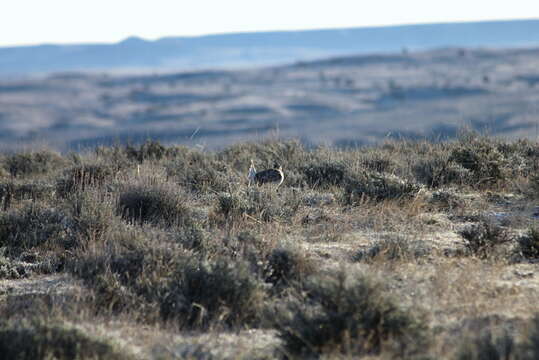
[274, 175]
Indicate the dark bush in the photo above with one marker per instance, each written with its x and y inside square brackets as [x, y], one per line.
[154, 204]
[203, 294]
[483, 159]
[378, 187]
[488, 347]
[31, 227]
[150, 150]
[349, 316]
[287, 265]
[529, 244]
[485, 238]
[11, 191]
[324, 174]
[438, 170]
[39, 339]
[24, 164]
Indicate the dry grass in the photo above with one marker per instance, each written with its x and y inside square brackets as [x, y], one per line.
[398, 250]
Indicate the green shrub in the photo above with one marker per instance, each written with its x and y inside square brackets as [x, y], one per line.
[154, 204]
[202, 294]
[24, 164]
[348, 315]
[37, 339]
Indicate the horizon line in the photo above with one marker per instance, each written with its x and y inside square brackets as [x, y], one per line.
[201, 35]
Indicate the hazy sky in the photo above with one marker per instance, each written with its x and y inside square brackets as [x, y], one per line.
[76, 21]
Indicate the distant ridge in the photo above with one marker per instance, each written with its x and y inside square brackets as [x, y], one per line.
[262, 48]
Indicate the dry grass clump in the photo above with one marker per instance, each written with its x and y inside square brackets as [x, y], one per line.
[40, 339]
[395, 248]
[154, 204]
[446, 200]
[127, 272]
[485, 239]
[261, 204]
[348, 315]
[92, 216]
[11, 191]
[80, 177]
[200, 172]
[25, 164]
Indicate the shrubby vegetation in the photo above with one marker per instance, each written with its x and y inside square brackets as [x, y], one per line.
[173, 237]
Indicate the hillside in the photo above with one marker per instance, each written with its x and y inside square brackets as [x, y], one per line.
[263, 48]
[351, 100]
[413, 250]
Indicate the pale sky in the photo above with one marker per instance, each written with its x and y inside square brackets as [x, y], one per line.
[24, 22]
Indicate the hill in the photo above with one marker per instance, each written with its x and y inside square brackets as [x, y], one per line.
[351, 100]
[263, 48]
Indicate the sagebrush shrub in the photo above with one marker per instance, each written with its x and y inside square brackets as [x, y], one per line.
[529, 243]
[483, 159]
[200, 172]
[202, 294]
[80, 177]
[33, 226]
[157, 204]
[324, 174]
[40, 339]
[92, 216]
[485, 238]
[378, 187]
[395, 248]
[348, 315]
[24, 164]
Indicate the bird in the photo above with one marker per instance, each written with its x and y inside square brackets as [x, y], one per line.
[274, 175]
